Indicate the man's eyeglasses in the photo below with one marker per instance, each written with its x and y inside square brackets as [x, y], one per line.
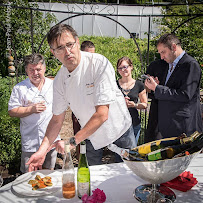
[123, 67]
[61, 49]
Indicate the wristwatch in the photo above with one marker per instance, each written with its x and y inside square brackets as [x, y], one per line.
[72, 141]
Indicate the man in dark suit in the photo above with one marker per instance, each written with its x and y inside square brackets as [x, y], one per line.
[179, 98]
[156, 69]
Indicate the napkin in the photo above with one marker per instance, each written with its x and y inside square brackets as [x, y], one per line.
[184, 182]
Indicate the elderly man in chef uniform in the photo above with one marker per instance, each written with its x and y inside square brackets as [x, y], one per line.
[31, 101]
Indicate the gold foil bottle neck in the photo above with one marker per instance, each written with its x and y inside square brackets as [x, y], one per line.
[192, 137]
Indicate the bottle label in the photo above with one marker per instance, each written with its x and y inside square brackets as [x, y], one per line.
[82, 149]
[83, 180]
[145, 149]
[83, 188]
[156, 155]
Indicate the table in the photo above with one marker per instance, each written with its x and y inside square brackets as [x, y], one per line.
[118, 183]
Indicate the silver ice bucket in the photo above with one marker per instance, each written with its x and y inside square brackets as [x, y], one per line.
[157, 172]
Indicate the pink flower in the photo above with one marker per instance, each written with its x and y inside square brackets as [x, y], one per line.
[91, 200]
[98, 196]
[88, 199]
[84, 198]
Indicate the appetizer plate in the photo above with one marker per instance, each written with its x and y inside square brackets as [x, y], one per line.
[21, 186]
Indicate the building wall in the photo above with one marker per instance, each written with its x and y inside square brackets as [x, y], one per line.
[100, 26]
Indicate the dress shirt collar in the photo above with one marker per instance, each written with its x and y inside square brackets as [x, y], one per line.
[175, 62]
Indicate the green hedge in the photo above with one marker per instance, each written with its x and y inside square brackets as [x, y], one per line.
[113, 48]
[10, 140]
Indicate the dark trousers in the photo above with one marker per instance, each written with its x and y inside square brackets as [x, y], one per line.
[127, 141]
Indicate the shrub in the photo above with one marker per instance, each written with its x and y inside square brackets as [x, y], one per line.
[10, 139]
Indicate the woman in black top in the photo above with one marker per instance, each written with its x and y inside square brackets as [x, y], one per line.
[132, 90]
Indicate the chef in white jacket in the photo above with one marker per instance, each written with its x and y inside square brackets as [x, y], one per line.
[31, 101]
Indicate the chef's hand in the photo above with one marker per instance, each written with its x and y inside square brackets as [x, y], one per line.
[59, 145]
[36, 161]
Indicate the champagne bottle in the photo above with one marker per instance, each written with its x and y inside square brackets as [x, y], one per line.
[68, 175]
[141, 153]
[159, 144]
[167, 153]
[126, 153]
[83, 175]
[196, 146]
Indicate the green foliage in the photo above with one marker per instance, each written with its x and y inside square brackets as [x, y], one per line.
[144, 116]
[20, 21]
[190, 32]
[115, 48]
[10, 140]
[112, 48]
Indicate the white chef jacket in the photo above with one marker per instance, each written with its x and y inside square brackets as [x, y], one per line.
[32, 127]
[92, 83]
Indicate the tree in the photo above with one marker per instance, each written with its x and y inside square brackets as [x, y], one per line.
[190, 32]
[19, 22]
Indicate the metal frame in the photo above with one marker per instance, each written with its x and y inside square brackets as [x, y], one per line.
[108, 15]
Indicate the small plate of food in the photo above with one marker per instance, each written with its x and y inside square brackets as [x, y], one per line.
[37, 183]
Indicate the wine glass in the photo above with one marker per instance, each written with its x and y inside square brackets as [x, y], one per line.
[157, 172]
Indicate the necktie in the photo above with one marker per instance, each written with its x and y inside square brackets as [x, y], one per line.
[171, 68]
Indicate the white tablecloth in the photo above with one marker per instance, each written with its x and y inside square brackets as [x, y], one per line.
[118, 183]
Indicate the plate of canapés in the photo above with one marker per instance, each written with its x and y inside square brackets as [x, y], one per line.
[36, 183]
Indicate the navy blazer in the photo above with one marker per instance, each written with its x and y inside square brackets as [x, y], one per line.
[179, 100]
[158, 69]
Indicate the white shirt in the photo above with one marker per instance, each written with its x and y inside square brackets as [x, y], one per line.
[92, 83]
[32, 127]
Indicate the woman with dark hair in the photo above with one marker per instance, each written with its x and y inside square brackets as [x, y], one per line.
[133, 90]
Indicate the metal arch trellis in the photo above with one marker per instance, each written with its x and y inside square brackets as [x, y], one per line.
[110, 10]
[143, 118]
[109, 19]
[185, 21]
[88, 9]
[89, 12]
